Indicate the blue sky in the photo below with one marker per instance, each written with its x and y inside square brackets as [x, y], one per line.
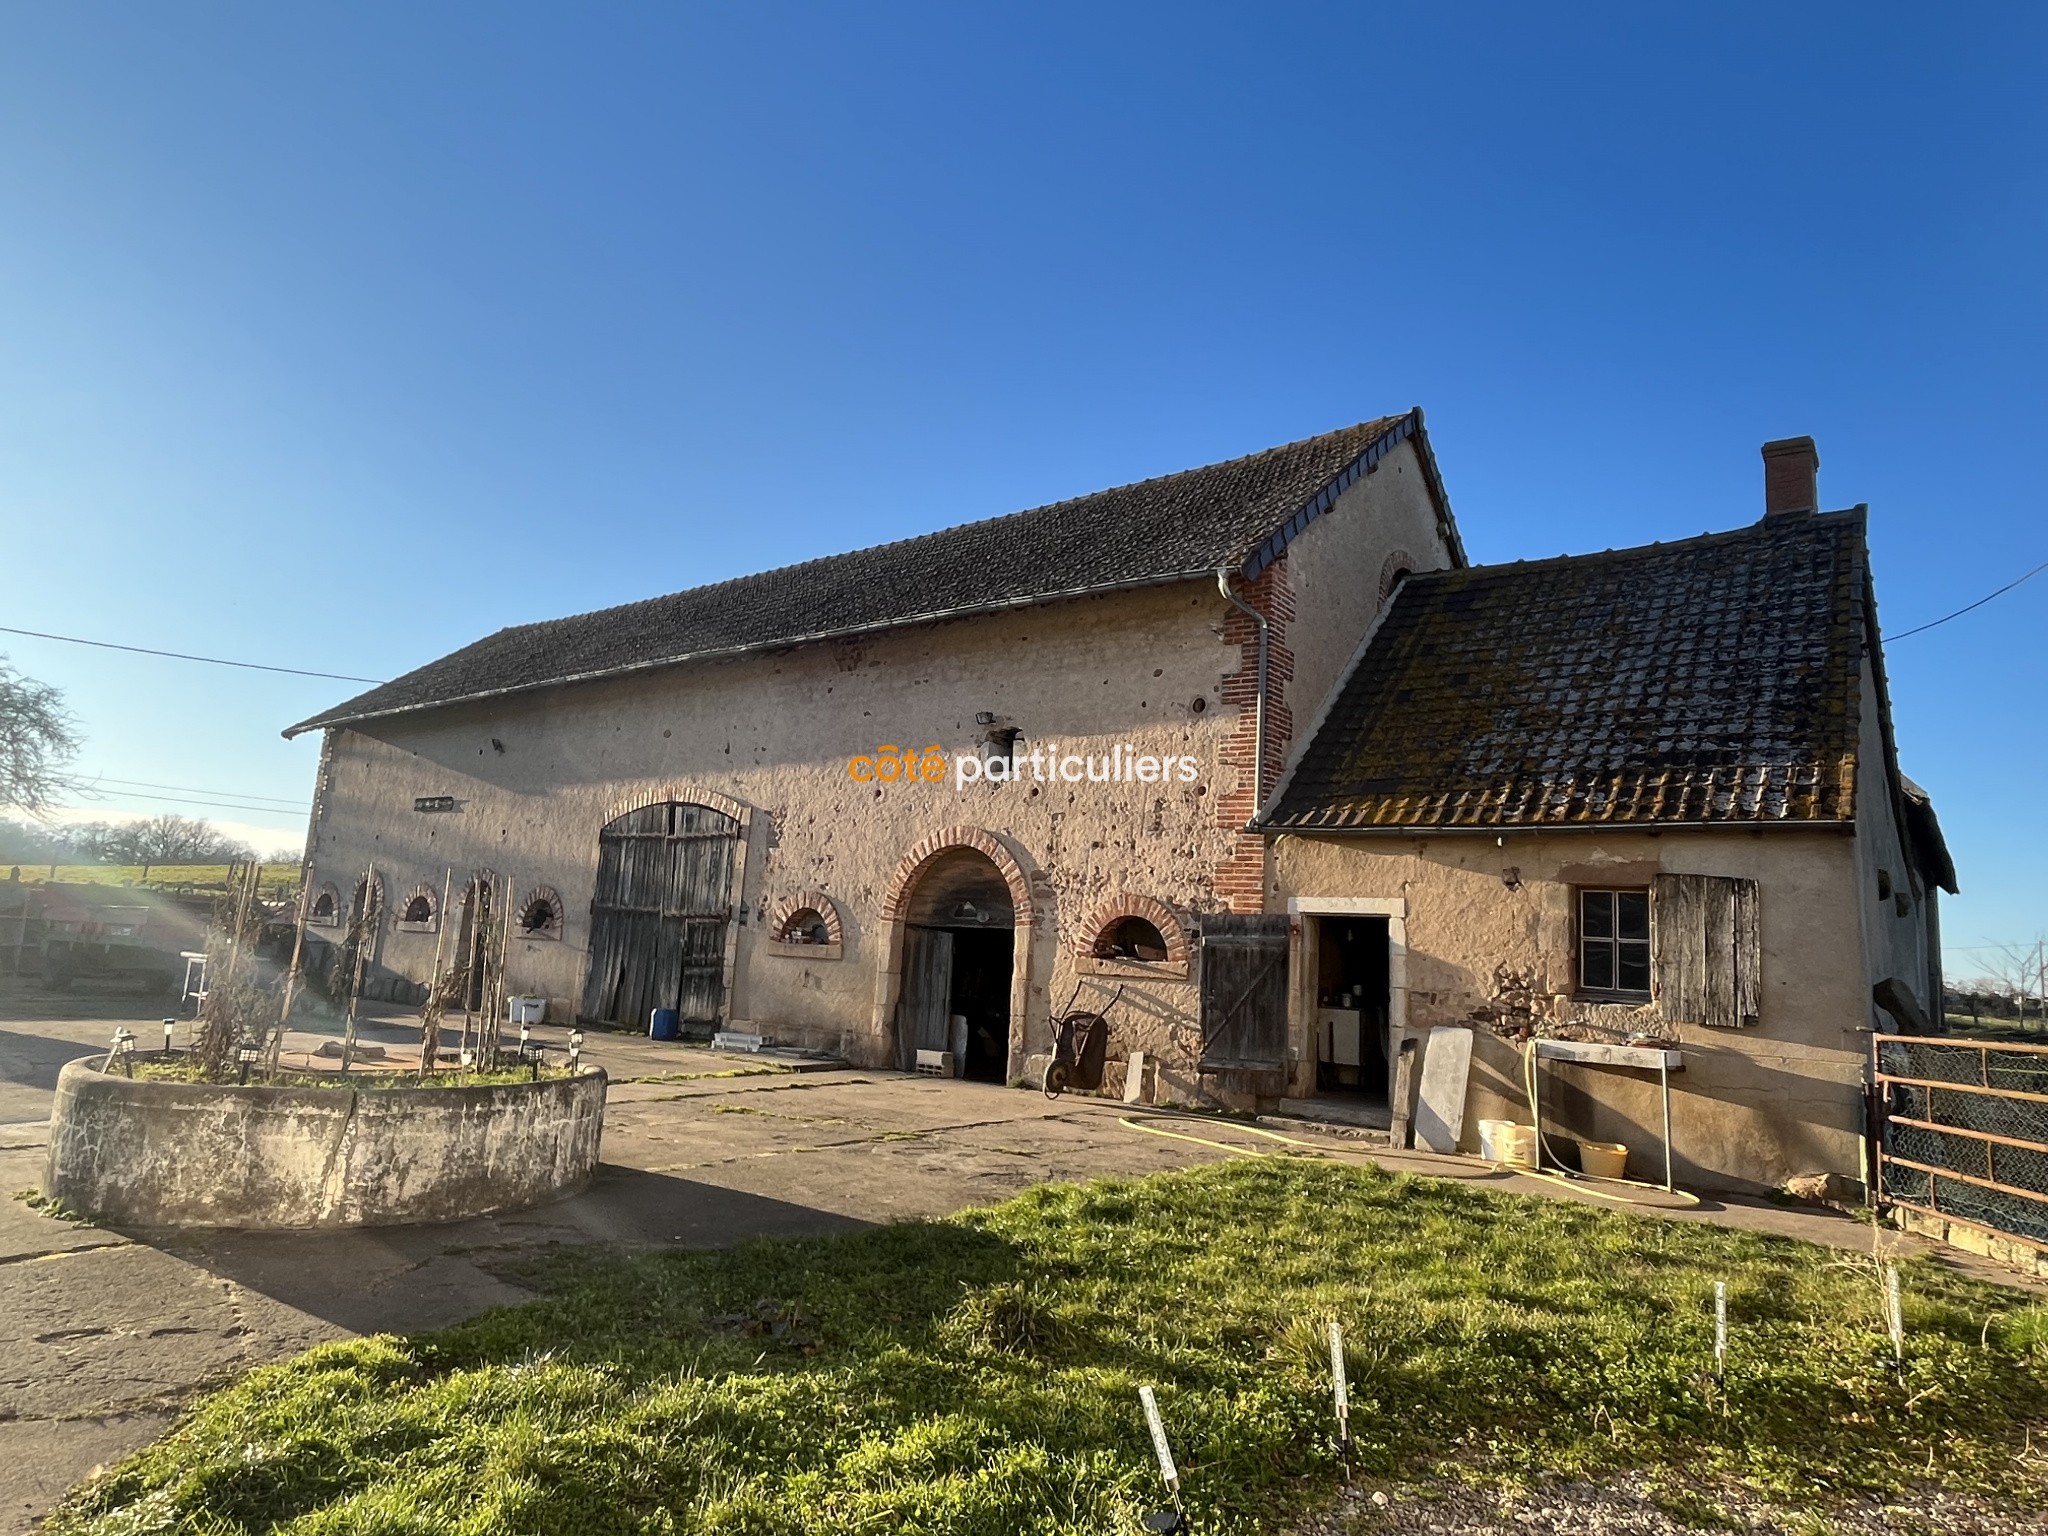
[338, 336]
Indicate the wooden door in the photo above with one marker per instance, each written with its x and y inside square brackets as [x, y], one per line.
[1244, 992]
[659, 918]
[921, 1021]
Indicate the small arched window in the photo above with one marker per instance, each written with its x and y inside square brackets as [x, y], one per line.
[807, 925]
[419, 912]
[804, 926]
[326, 908]
[1132, 935]
[540, 915]
[1131, 938]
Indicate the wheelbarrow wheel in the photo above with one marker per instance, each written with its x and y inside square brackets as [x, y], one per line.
[1056, 1075]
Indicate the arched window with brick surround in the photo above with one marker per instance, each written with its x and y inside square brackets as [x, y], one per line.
[540, 914]
[807, 924]
[325, 909]
[1133, 934]
[421, 912]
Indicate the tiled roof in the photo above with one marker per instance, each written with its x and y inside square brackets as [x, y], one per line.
[1166, 529]
[1712, 680]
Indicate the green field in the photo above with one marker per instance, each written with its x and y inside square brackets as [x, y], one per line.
[979, 1375]
[276, 877]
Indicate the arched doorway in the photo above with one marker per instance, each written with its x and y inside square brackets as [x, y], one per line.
[955, 973]
[659, 918]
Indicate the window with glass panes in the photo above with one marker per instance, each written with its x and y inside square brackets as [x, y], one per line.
[1614, 941]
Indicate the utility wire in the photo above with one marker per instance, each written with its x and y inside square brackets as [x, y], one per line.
[2037, 570]
[193, 789]
[216, 661]
[219, 805]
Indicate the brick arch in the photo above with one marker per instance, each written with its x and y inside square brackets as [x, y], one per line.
[1131, 904]
[335, 911]
[1399, 563]
[809, 901]
[683, 794]
[930, 846]
[557, 911]
[431, 921]
[889, 970]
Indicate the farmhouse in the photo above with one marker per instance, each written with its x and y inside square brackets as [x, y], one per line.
[1250, 756]
[1645, 795]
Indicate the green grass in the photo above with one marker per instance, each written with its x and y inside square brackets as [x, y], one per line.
[979, 1374]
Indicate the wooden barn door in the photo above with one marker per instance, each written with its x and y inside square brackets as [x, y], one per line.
[658, 921]
[1244, 993]
[921, 1021]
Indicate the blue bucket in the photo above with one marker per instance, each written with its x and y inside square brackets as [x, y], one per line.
[663, 1024]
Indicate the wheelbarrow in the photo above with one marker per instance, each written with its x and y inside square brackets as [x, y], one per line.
[1080, 1040]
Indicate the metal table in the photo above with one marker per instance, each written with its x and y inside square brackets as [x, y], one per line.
[1592, 1053]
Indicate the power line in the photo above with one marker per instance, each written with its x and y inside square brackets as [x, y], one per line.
[193, 789]
[2037, 570]
[216, 661]
[218, 805]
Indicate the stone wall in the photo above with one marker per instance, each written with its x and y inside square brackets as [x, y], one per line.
[157, 1154]
[1163, 671]
[1489, 933]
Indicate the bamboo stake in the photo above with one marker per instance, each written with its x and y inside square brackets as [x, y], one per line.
[364, 939]
[291, 978]
[430, 1017]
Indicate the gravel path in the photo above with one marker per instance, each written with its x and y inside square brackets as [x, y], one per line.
[1625, 1508]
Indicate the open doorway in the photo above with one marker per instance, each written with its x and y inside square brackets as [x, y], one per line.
[959, 955]
[1353, 1004]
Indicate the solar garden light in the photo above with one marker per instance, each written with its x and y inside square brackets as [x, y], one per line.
[168, 1023]
[1340, 1389]
[575, 1049]
[247, 1055]
[1163, 1521]
[1720, 1331]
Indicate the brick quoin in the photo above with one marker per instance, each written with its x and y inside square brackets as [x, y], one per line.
[1240, 877]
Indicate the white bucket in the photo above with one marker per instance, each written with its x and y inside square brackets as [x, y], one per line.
[525, 1010]
[1493, 1139]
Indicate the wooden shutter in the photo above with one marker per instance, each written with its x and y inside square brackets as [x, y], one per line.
[1706, 950]
[1244, 992]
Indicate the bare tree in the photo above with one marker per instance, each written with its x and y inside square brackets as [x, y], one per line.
[37, 741]
[159, 840]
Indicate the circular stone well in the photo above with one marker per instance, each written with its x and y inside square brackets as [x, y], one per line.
[162, 1154]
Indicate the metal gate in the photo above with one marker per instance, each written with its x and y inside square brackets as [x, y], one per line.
[658, 921]
[1244, 993]
[1964, 1132]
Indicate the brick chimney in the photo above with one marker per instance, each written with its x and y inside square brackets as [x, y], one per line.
[1791, 477]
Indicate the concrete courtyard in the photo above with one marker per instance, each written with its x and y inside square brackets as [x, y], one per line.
[105, 1333]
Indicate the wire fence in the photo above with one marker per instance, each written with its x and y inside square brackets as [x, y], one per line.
[1965, 1131]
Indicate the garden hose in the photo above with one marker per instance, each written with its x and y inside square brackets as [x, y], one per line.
[1583, 1183]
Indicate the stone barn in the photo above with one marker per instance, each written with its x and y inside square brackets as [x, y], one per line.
[916, 797]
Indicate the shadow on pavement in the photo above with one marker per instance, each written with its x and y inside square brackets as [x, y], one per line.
[405, 1279]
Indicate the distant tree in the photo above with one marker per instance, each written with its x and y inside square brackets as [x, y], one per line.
[293, 856]
[37, 741]
[24, 842]
[159, 840]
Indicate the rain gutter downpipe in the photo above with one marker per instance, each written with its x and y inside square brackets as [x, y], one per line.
[1259, 698]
